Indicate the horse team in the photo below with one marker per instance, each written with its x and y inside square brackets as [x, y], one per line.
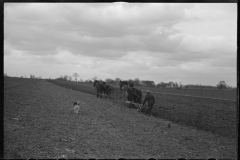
[132, 94]
[102, 88]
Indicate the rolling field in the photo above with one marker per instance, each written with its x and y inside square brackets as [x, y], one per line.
[218, 94]
[217, 116]
[39, 123]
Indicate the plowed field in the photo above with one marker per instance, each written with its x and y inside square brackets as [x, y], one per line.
[39, 123]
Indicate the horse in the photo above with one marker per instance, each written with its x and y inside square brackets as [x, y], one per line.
[107, 88]
[123, 83]
[102, 87]
[132, 94]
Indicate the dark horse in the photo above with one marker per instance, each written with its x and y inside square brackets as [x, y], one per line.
[132, 94]
[102, 88]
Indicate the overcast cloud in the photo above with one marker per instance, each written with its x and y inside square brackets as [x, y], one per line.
[189, 43]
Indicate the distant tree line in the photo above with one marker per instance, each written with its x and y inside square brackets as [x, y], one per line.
[148, 83]
[137, 82]
[34, 77]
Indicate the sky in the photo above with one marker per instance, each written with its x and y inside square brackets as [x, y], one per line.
[193, 43]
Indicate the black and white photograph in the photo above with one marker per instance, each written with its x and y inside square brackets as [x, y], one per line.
[120, 80]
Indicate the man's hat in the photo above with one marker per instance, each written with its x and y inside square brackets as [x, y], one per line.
[148, 91]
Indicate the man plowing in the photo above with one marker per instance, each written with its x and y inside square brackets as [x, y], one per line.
[151, 100]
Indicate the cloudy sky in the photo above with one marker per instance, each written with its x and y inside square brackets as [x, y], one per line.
[189, 43]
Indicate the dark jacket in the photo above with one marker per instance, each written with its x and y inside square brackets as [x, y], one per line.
[149, 98]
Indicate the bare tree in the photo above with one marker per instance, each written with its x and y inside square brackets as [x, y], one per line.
[137, 81]
[32, 76]
[75, 75]
[222, 85]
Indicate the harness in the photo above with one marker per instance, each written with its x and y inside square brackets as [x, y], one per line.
[133, 92]
[136, 91]
[98, 83]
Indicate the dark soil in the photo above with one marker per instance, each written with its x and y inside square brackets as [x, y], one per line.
[39, 123]
[216, 116]
[213, 115]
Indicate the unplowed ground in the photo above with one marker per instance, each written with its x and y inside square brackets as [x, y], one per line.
[39, 123]
[216, 116]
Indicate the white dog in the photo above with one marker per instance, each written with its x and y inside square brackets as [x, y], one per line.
[76, 107]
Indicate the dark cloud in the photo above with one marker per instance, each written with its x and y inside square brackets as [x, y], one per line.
[91, 29]
[134, 40]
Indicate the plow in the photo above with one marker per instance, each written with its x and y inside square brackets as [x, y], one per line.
[139, 106]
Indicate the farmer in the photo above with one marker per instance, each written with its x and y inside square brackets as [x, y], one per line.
[151, 100]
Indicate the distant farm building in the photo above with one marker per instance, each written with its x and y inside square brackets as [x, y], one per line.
[167, 85]
[147, 83]
[171, 85]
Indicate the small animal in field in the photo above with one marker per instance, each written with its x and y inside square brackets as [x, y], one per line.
[169, 125]
[76, 107]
